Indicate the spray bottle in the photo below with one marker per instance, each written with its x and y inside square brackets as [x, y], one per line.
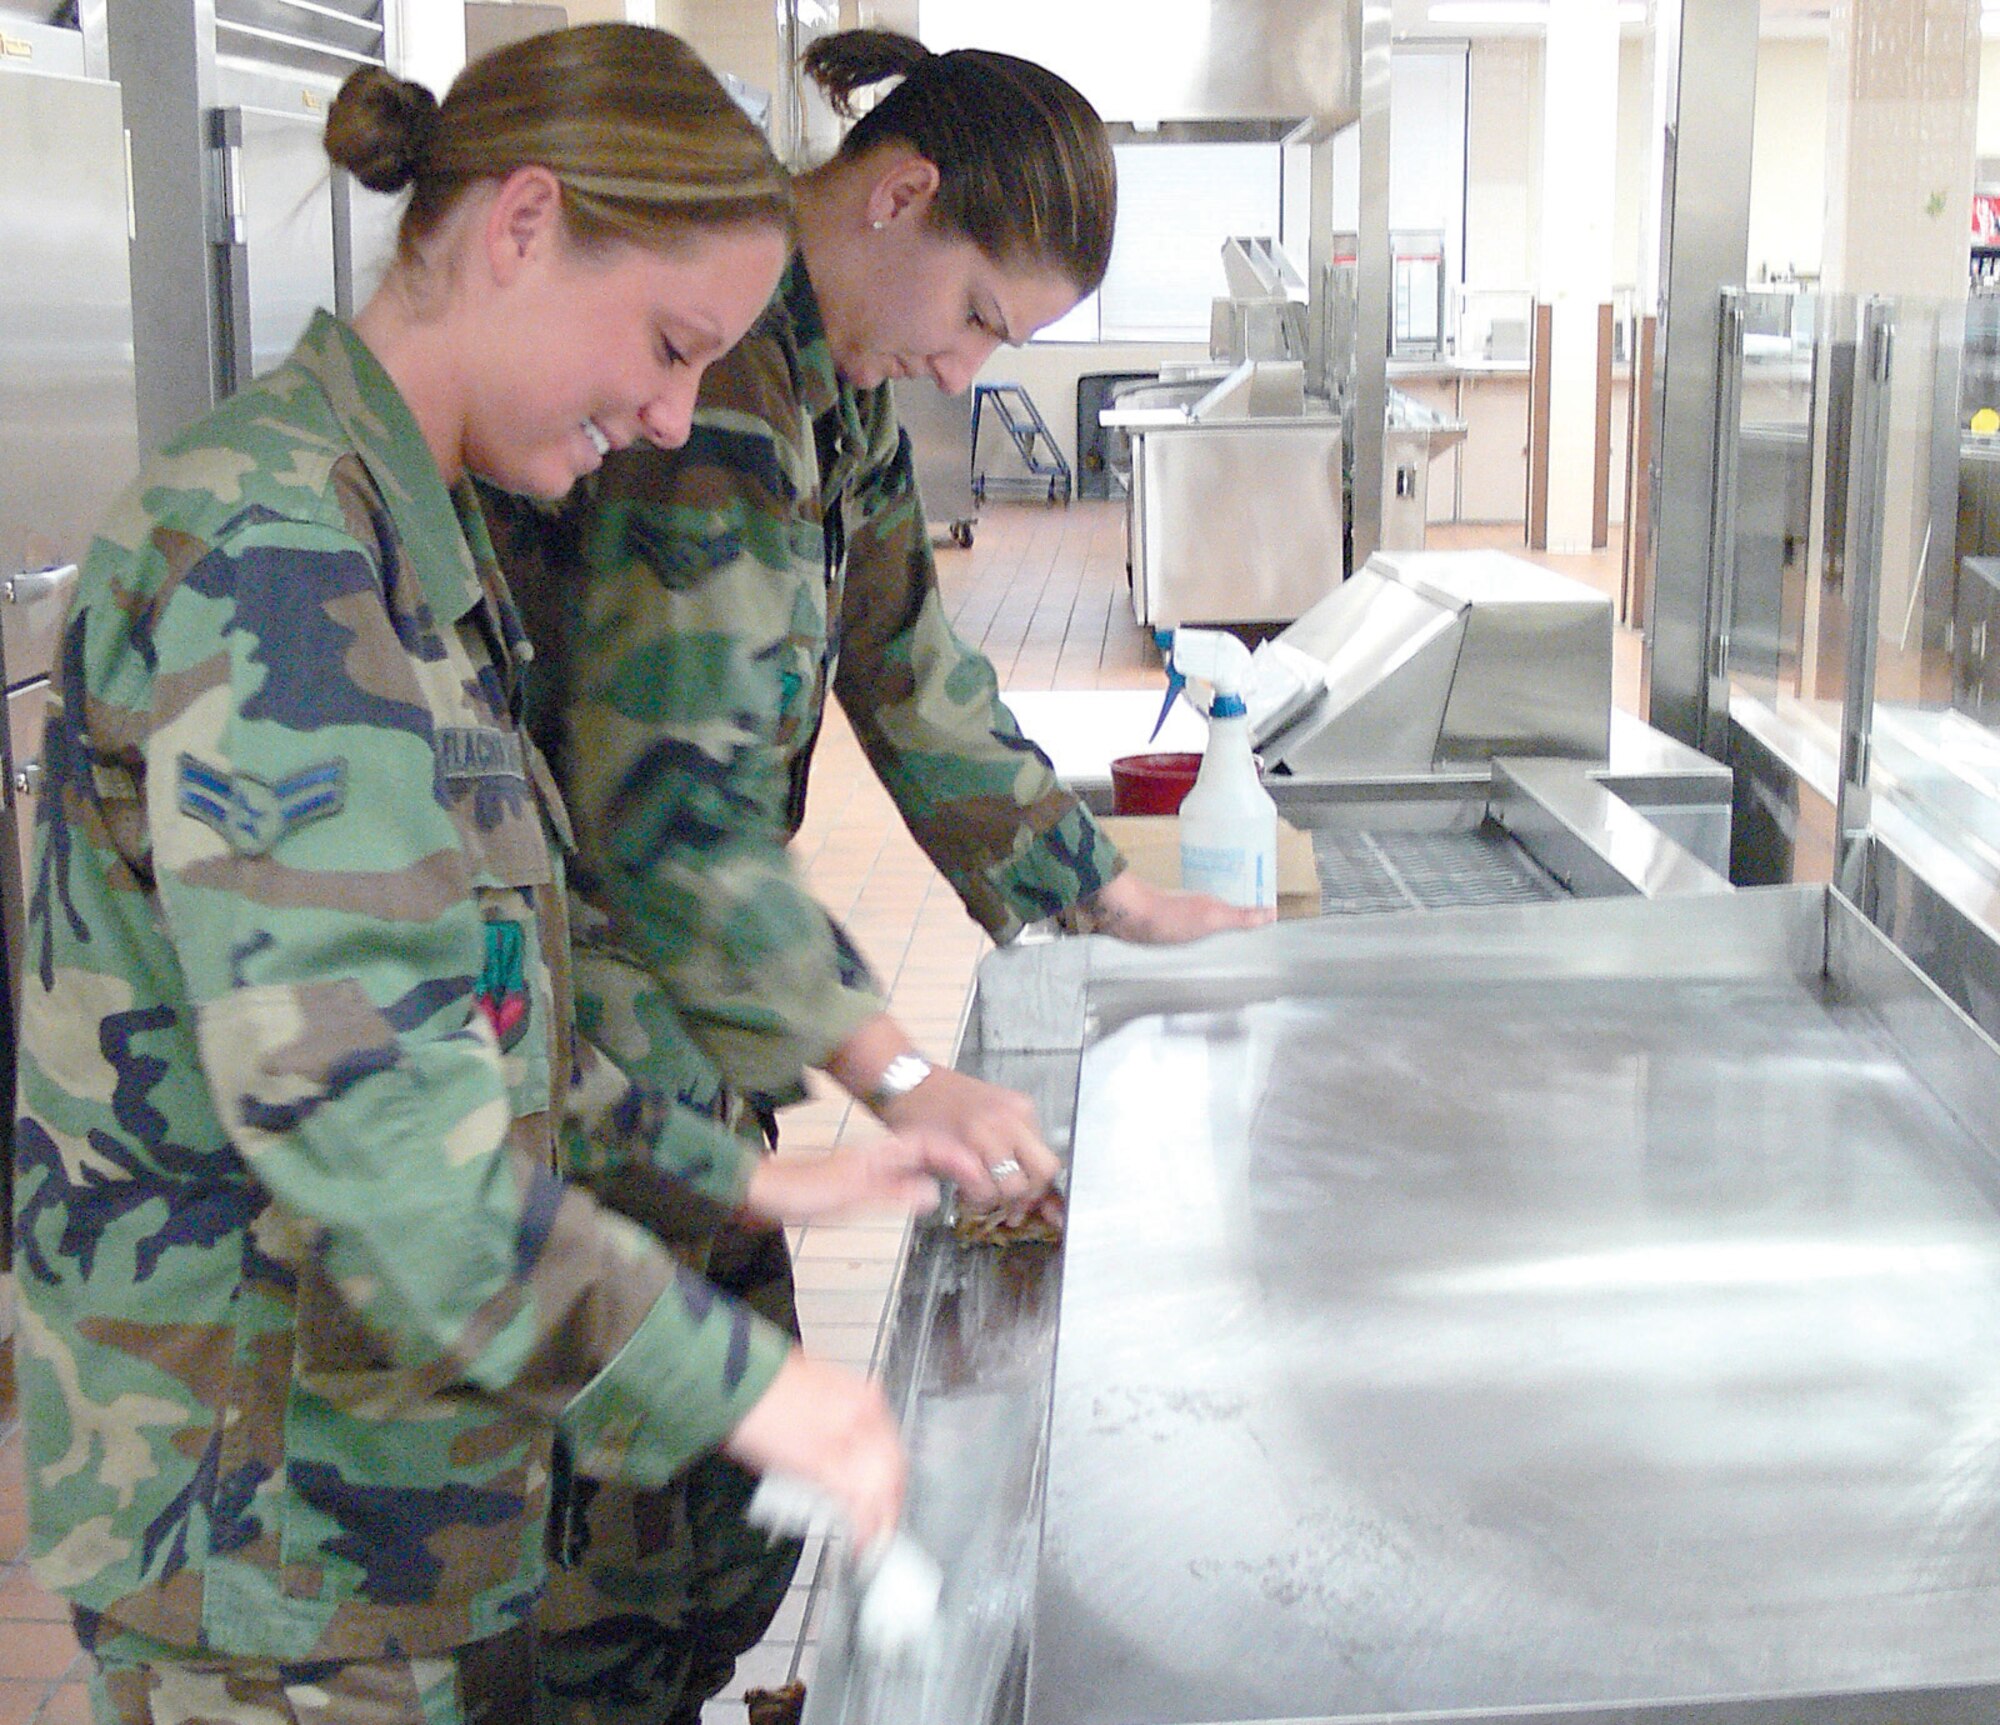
[1229, 825]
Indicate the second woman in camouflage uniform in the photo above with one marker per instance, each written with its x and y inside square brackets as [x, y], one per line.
[732, 584]
[301, 1295]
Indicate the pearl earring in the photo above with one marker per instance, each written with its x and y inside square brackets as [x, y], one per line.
[878, 226]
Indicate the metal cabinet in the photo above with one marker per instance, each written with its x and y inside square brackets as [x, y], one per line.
[68, 418]
[940, 432]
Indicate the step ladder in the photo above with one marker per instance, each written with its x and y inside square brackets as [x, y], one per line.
[1023, 422]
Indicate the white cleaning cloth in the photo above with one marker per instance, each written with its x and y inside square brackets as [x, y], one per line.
[900, 1581]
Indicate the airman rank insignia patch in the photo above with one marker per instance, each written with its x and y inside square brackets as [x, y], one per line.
[252, 814]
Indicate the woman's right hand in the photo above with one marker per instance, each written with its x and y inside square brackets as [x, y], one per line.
[1012, 1169]
[831, 1426]
[901, 1171]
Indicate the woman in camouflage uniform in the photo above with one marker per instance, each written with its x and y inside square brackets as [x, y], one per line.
[301, 1295]
[731, 585]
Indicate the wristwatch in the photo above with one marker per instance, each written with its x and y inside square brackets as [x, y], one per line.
[902, 1075]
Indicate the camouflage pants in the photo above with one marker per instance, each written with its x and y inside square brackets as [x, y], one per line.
[137, 1681]
[657, 1593]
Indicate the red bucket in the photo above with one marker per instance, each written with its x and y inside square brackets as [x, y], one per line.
[1151, 784]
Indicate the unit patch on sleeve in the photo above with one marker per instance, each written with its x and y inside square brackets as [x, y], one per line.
[503, 986]
[254, 814]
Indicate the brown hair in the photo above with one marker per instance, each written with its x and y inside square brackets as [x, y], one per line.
[644, 140]
[1025, 167]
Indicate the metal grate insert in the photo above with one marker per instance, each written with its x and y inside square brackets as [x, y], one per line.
[1367, 873]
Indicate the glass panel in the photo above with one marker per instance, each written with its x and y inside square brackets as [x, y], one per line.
[1787, 628]
[1934, 746]
[1177, 203]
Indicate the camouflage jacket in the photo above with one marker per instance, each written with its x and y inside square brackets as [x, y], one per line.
[728, 584]
[301, 1298]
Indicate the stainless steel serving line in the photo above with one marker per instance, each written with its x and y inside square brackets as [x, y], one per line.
[1444, 706]
[1653, 819]
[1578, 1312]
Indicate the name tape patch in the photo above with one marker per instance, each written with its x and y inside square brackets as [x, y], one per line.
[478, 752]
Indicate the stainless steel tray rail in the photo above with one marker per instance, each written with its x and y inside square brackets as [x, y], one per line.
[1582, 1312]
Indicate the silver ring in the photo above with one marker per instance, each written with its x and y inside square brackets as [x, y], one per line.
[1005, 1169]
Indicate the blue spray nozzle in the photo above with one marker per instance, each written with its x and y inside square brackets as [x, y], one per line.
[1164, 640]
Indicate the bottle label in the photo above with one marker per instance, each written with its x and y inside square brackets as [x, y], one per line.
[1229, 872]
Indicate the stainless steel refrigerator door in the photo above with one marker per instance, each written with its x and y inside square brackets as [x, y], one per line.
[69, 437]
[281, 242]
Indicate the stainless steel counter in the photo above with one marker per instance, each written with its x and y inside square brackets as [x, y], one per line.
[1681, 795]
[1582, 1312]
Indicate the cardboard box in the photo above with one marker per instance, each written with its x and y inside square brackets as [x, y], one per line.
[1152, 845]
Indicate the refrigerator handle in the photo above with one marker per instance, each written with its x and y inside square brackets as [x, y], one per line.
[31, 585]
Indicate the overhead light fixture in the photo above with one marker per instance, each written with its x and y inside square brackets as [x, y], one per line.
[1519, 11]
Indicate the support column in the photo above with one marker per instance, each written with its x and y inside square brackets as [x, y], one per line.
[1707, 69]
[1371, 318]
[1579, 197]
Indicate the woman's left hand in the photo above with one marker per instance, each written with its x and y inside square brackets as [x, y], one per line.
[1136, 910]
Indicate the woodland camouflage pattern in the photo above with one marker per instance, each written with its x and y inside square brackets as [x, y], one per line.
[134, 1682]
[781, 551]
[301, 1297]
[691, 610]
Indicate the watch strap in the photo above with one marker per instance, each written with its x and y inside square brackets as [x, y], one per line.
[902, 1075]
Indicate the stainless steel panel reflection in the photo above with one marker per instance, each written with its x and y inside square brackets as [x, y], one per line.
[68, 420]
[1236, 523]
[1534, 677]
[1385, 655]
[1457, 655]
[1433, 1340]
[970, 1341]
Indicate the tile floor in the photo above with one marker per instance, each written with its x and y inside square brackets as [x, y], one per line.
[1042, 592]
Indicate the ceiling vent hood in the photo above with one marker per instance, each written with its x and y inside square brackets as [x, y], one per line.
[1149, 63]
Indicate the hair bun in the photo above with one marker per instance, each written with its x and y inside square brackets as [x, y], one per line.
[380, 128]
